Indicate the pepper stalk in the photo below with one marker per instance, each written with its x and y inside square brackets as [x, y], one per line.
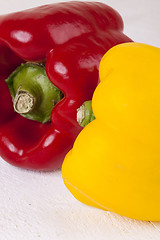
[33, 95]
[85, 114]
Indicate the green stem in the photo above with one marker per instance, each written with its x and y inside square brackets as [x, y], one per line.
[33, 95]
[85, 114]
[23, 102]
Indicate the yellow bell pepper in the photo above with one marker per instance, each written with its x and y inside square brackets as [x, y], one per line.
[115, 161]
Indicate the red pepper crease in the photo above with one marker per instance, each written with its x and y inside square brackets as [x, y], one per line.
[71, 39]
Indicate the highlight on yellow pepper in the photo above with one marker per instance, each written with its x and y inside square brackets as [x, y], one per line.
[115, 161]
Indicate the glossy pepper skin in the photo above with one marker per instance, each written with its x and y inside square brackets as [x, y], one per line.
[115, 161]
[70, 38]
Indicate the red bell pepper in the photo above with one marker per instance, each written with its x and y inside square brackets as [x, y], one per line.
[70, 39]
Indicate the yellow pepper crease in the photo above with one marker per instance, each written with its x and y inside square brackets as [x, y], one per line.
[115, 161]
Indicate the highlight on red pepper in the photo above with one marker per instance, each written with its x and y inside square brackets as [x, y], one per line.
[49, 60]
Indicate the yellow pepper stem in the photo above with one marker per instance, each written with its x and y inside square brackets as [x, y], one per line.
[85, 114]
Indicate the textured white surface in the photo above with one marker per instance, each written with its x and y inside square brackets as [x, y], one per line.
[35, 205]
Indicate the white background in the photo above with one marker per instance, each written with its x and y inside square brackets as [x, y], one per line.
[36, 205]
